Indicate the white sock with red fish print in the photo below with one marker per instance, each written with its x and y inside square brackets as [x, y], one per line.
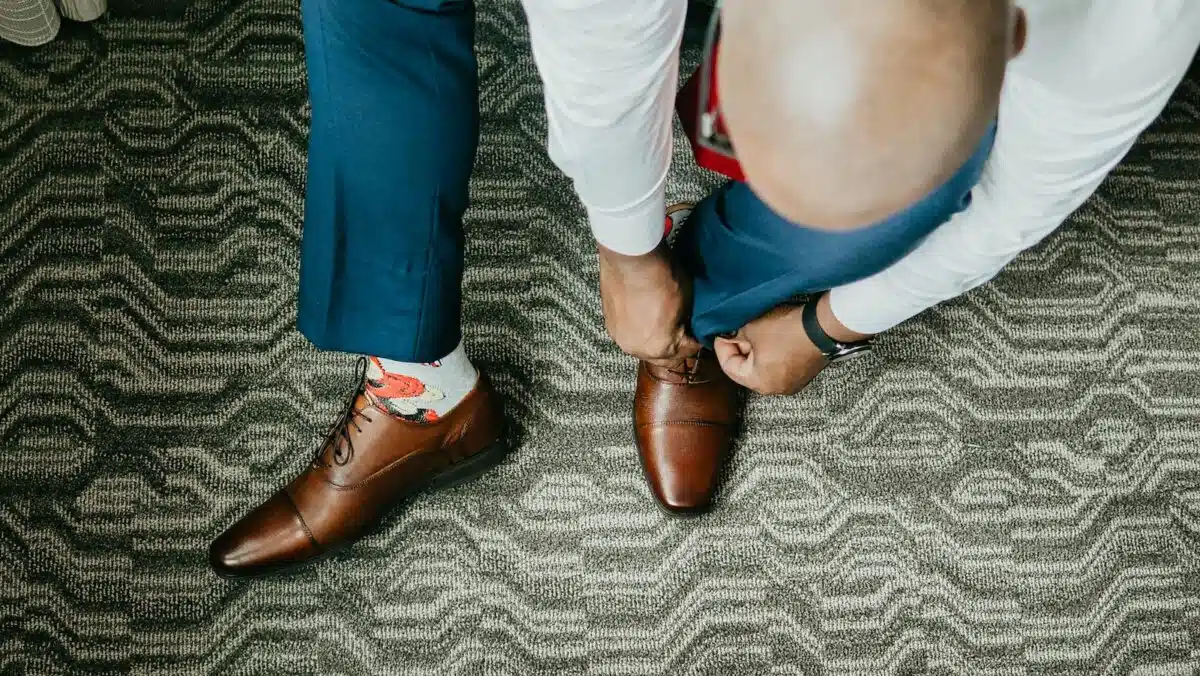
[421, 392]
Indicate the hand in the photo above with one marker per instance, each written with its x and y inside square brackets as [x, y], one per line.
[646, 302]
[773, 354]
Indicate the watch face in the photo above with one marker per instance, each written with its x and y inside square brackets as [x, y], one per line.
[848, 352]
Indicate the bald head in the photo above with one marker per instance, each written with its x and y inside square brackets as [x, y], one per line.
[845, 112]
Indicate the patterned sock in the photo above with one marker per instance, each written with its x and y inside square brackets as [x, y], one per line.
[421, 392]
[676, 215]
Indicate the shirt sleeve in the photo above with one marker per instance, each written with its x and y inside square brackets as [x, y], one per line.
[610, 70]
[1054, 146]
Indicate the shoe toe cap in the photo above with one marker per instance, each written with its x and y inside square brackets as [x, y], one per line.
[683, 463]
[271, 537]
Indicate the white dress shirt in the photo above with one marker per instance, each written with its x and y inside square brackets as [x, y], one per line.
[1093, 76]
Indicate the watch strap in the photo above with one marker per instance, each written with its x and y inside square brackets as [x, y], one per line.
[808, 315]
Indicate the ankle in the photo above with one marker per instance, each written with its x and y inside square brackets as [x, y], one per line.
[421, 392]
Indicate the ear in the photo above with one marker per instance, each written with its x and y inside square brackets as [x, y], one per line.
[1020, 32]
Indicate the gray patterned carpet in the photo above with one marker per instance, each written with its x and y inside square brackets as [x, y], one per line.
[1012, 486]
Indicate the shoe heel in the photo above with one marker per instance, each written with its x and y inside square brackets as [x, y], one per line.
[472, 467]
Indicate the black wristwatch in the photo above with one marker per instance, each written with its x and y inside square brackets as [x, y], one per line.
[834, 350]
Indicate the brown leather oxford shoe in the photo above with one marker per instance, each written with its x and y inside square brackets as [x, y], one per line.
[371, 462]
[684, 422]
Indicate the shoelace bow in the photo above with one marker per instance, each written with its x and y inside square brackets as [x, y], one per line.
[338, 435]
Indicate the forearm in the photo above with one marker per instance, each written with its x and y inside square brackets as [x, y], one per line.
[610, 70]
[1051, 154]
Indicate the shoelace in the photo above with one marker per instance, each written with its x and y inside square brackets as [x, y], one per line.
[691, 369]
[339, 434]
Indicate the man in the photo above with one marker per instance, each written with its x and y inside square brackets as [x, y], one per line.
[863, 125]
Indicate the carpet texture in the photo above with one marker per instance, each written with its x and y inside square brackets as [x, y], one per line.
[1010, 486]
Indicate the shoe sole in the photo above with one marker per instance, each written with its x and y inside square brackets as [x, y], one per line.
[460, 473]
[472, 468]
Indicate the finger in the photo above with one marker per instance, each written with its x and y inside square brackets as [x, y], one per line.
[726, 349]
[738, 366]
[741, 371]
[688, 346]
[739, 339]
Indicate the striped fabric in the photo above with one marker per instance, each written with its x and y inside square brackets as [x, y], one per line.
[29, 22]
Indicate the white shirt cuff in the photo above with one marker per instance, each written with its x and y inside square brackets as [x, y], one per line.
[860, 308]
[634, 231]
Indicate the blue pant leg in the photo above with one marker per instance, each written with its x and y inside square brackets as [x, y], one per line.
[746, 259]
[395, 125]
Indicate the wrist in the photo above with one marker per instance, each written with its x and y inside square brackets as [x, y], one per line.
[833, 327]
[635, 229]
